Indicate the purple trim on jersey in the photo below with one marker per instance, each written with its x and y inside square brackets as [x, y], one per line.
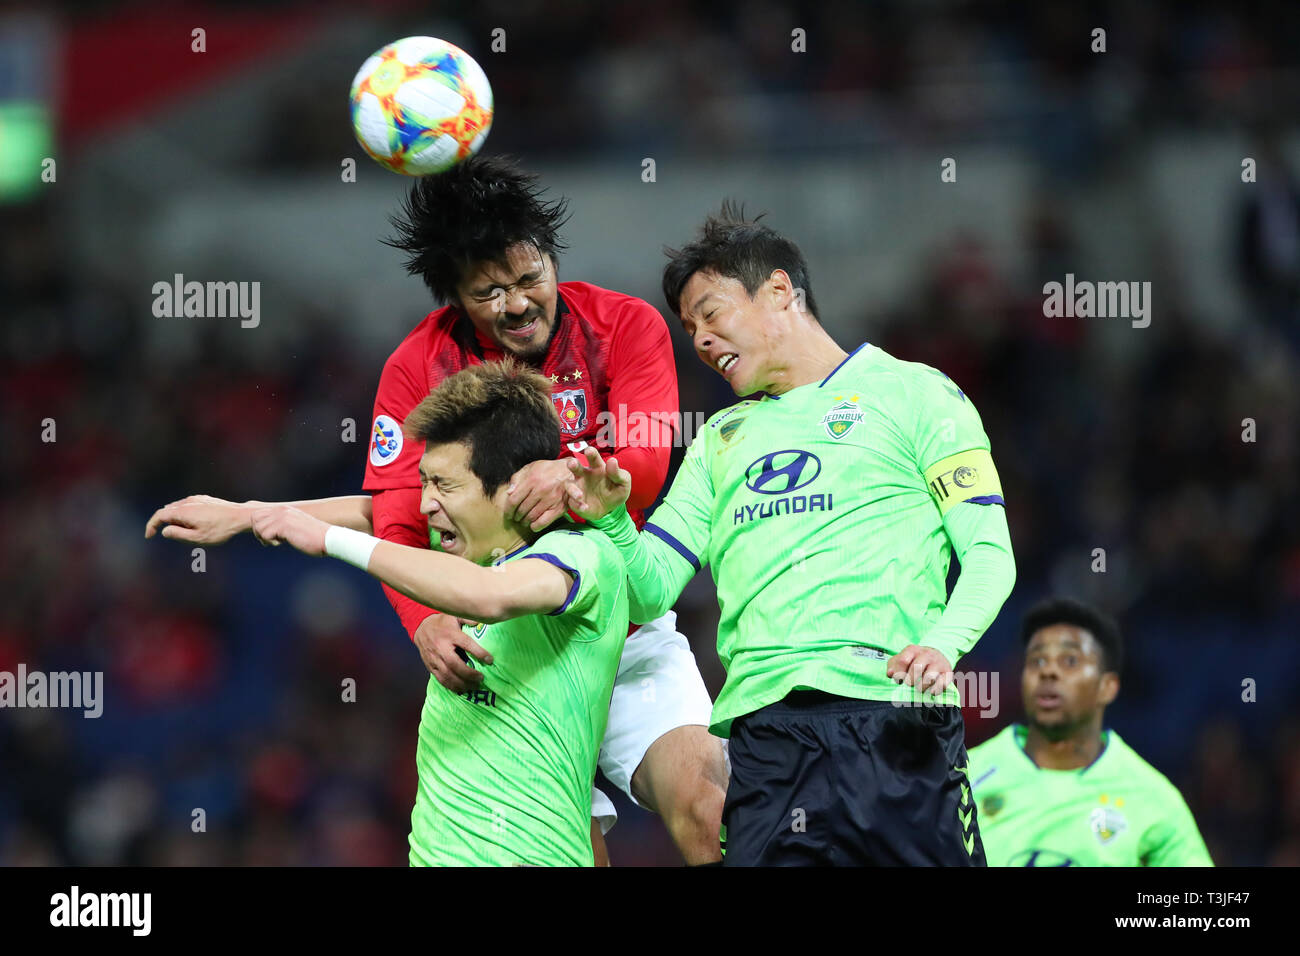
[1105, 742]
[1018, 729]
[506, 557]
[846, 358]
[573, 590]
[1018, 734]
[984, 776]
[986, 500]
[673, 543]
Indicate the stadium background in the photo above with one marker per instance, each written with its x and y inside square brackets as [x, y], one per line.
[222, 688]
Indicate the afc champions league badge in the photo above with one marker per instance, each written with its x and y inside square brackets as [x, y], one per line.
[385, 441]
[571, 404]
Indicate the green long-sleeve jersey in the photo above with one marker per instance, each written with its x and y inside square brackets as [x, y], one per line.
[828, 516]
[1117, 811]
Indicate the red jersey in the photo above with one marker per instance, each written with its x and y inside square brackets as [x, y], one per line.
[610, 358]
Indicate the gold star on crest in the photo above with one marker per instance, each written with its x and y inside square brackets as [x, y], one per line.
[577, 374]
[555, 379]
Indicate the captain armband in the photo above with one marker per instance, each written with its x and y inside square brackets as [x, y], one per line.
[965, 476]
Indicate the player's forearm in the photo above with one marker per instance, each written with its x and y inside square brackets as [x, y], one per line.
[656, 573]
[347, 511]
[463, 589]
[988, 572]
[447, 583]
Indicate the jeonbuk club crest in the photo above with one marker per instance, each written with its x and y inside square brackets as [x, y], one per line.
[1106, 824]
[842, 418]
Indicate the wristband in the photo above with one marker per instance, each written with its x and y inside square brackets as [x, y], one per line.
[354, 547]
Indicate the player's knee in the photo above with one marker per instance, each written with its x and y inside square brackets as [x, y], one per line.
[706, 808]
[683, 776]
[697, 803]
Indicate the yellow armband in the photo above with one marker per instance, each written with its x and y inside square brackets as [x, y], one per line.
[965, 476]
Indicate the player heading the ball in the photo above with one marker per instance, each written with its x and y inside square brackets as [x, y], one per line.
[485, 239]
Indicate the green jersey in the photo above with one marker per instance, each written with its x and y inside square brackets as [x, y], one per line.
[505, 771]
[828, 515]
[1117, 811]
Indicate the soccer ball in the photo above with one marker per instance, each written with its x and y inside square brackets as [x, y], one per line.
[421, 105]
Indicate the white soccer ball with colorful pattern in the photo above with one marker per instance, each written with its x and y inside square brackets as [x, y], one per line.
[420, 105]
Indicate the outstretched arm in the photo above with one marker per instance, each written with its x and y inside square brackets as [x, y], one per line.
[442, 581]
[203, 519]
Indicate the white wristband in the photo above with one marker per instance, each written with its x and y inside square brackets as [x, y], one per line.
[354, 547]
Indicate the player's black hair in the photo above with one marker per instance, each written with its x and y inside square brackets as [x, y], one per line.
[1060, 610]
[472, 213]
[502, 410]
[731, 245]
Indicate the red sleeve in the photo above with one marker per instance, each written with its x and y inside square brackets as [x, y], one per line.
[397, 518]
[394, 462]
[392, 467]
[643, 379]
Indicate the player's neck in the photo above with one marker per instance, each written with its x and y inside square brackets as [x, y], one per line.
[512, 539]
[1073, 752]
[808, 358]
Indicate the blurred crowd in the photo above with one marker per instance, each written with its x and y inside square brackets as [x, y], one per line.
[226, 738]
[719, 77]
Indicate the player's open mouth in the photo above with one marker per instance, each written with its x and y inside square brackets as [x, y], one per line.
[447, 540]
[727, 363]
[1049, 701]
[523, 331]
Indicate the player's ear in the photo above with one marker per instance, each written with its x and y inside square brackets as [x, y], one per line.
[781, 288]
[1109, 688]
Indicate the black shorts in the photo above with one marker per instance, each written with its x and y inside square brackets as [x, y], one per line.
[820, 780]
